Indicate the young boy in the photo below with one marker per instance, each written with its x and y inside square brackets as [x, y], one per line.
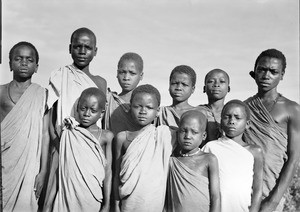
[275, 126]
[240, 164]
[181, 86]
[65, 86]
[24, 132]
[129, 74]
[85, 158]
[141, 156]
[193, 181]
[216, 86]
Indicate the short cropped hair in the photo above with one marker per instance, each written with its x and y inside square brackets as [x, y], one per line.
[195, 114]
[240, 103]
[217, 70]
[146, 89]
[93, 91]
[83, 30]
[24, 43]
[272, 53]
[136, 58]
[184, 69]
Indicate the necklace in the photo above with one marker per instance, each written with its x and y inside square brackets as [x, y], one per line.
[271, 107]
[189, 155]
[8, 91]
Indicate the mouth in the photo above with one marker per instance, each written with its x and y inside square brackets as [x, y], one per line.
[263, 83]
[81, 59]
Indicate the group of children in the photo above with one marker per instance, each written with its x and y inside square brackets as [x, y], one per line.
[96, 150]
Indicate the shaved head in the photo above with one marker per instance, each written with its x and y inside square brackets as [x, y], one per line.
[194, 114]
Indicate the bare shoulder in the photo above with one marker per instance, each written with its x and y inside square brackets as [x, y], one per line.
[201, 109]
[107, 136]
[255, 150]
[291, 106]
[120, 138]
[210, 158]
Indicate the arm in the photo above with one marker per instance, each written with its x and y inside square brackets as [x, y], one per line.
[214, 185]
[117, 159]
[108, 174]
[40, 178]
[289, 168]
[257, 179]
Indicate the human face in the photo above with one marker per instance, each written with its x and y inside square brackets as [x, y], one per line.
[268, 73]
[190, 135]
[216, 85]
[89, 111]
[144, 108]
[128, 75]
[23, 63]
[234, 121]
[181, 87]
[83, 49]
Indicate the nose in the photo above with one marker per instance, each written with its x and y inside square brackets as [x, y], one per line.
[82, 50]
[87, 113]
[126, 76]
[187, 135]
[266, 74]
[142, 110]
[24, 61]
[217, 84]
[178, 87]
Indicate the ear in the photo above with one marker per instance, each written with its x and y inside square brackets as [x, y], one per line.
[204, 89]
[248, 124]
[282, 74]
[36, 68]
[96, 50]
[193, 89]
[70, 47]
[228, 88]
[142, 75]
[252, 74]
[204, 135]
[102, 114]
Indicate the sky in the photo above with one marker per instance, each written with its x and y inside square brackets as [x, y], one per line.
[203, 34]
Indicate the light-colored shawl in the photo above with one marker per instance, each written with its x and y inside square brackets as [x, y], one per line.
[144, 170]
[81, 170]
[65, 86]
[117, 116]
[236, 173]
[272, 138]
[187, 190]
[21, 139]
[168, 116]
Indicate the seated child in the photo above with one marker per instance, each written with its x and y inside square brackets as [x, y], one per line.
[240, 164]
[141, 156]
[85, 157]
[181, 86]
[216, 86]
[130, 73]
[193, 181]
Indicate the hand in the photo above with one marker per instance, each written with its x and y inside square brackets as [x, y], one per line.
[39, 183]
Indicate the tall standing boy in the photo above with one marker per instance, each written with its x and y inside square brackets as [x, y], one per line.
[275, 126]
[24, 132]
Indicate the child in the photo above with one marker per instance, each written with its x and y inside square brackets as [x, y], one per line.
[240, 164]
[141, 156]
[24, 132]
[181, 86]
[216, 87]
[65, 86]
[193, 181]
[129, 74]
[85, 158]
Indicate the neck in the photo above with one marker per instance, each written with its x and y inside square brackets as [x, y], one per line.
[268, 95]
[21, 83]
[84, 69]
[180, 105]
[216, 105]
[238, 139]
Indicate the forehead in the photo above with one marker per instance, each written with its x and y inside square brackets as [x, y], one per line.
[235, 108]
[145, 97]
[83, 37]
[24, 50]
[180, 76]
[269, 61]
[128, 64]
[91, 99]
[217, 74]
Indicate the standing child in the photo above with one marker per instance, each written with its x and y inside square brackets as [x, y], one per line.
[85, 158]
[141, 156]
[129, 74]
[181, 86]
[24, 132]
[216, 86]
[65, 86]
[240, 164]
[193, 181]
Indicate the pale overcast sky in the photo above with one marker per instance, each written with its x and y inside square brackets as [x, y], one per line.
[204, 34]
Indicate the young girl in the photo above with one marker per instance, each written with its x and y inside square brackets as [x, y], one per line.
[240, 164]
